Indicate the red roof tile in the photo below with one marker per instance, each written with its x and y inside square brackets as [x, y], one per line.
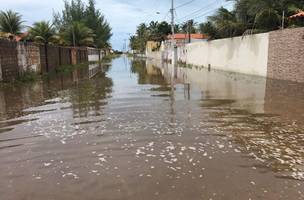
[183, 36]
[300, 14]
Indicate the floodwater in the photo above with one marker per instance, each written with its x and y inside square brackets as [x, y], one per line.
[142, 130]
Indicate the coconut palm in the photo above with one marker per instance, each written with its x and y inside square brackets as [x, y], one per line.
[77, 34]
[10, 22]
[43, 32]
[226, 23]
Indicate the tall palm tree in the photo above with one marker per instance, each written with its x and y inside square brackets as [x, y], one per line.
[77, 34]
[10, 22]
[227, 23]
[43, 32]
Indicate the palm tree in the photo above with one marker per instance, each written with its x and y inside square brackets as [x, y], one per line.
[77, 34]
[209, 29]
[10, 22]
[43, 32]
[226, 23]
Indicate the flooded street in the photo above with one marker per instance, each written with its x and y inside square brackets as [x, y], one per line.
[142, 130]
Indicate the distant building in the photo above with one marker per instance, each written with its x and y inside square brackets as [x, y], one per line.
[300, 14]
[152, 46]
[183, 38]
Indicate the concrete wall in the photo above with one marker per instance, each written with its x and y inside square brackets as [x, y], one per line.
[286, 55]
[1, 78]
[246, 55]
[157, 55]
[277, 55]
[19, 57]
[28, 57]
[94, 55]
[9, 60]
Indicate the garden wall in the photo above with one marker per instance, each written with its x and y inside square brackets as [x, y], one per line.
[286, 55]
[19, 57]
[8, 60]
[247, 55]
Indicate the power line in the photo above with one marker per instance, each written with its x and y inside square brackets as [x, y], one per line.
[212, 10]
[199, 10]
[184, 4]
[206, 13]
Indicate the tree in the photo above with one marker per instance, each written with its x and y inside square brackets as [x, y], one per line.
[96, 22]
[188, 26]
[42, 32]
[155, 31]
[251, 16]
[226, 23]
[87, 15]
[77, 34]
[208, 29]
[10, 22]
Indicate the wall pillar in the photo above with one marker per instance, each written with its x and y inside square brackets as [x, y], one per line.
[73, 56]
[1, 79]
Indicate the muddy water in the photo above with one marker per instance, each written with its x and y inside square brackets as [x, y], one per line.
[139, 129]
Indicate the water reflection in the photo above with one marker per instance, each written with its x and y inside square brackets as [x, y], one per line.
[264, 116]
[183, 132]
[24, 99]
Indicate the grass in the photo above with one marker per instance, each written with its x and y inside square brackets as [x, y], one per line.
[29, 76]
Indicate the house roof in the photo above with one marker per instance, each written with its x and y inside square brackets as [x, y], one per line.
[21, 36]
[183, 36]
[300, 14]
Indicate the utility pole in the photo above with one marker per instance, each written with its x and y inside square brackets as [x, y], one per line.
[189, 31]
[172, 30]
[283, 20]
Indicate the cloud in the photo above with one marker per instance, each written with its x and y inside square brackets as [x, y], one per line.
[123, 15]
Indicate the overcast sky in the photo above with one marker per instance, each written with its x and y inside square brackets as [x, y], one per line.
[123, 15]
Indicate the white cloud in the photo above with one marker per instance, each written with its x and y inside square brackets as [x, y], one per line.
[123, 15]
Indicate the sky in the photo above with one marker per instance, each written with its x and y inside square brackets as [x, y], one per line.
[123, 15]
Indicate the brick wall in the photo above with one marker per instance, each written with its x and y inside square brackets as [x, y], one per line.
[58, 56]
[285, 98]
[9, 60]
[28, 57]
[286, 55]
[82, 55]
[16, 58]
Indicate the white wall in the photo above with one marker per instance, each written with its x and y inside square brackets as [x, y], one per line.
[93, 58]
[93, 54]
[154, 55]
[25, 61]
[248, 55]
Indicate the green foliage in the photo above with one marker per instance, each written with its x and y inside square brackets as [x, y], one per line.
[10, 22]
[209, 29]
[156, 31]
[252, 16]
[188, 26]
[28, 76]
[43, 32]
[78, 16]
[268, 19]
[77, 33]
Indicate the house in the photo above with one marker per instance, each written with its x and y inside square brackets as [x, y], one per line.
[183, 38]
[298, 15]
